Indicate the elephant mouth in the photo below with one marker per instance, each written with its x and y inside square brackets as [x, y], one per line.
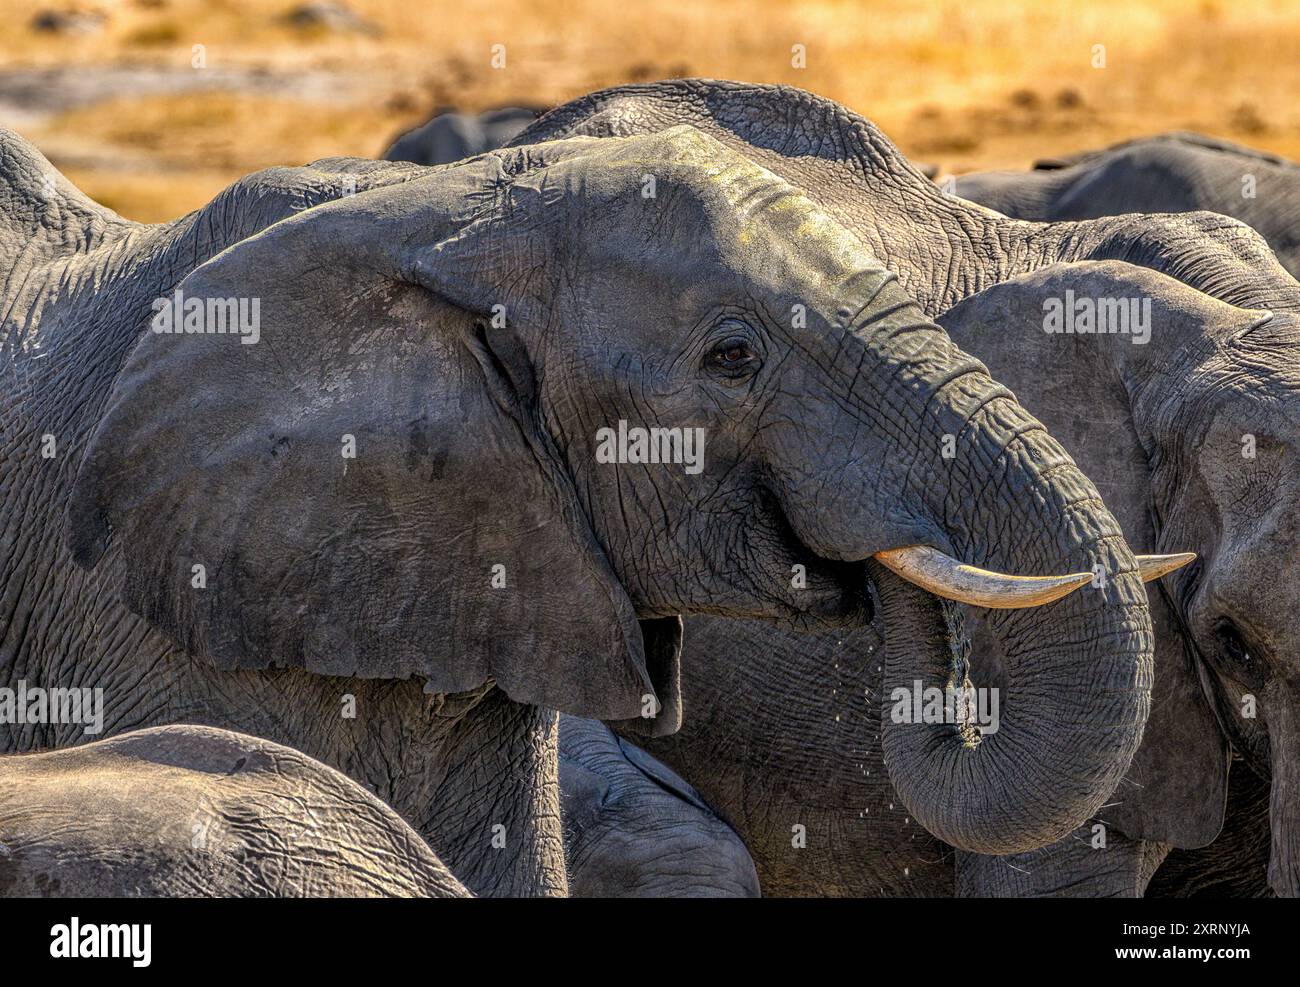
[661, 639]
[845, 596]
[837, 589]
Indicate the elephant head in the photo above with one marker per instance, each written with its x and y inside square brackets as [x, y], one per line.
[1190, 431]
[634, 828]
[409, 472]
[1224, 428]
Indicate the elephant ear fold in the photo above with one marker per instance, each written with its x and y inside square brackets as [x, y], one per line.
[347, 479]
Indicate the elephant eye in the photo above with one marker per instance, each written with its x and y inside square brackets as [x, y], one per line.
[1233, 647]
[733, 357]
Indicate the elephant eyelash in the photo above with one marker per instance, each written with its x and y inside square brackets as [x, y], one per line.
[733, 357]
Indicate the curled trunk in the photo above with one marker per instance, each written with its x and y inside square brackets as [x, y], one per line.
[1079, 669]
[972, 474]
[1069, 723]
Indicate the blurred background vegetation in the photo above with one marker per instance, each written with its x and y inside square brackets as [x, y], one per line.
[109, 91]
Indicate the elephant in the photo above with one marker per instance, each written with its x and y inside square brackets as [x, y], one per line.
[449, 136]
[1175, 172]
[389, 464]
[634, 828]
[188, 811]
[1159, 424]
[815, 808]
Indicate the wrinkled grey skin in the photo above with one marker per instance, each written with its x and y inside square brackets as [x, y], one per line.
[187, 811]
[346, 607]
[1177, 172]
[943, 248]
[1162, 426]
[449, 136]
[634, 828]
[1159, 425]
[827, 775]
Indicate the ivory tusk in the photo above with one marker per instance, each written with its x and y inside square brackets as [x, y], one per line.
[1155, 566]
[944, 576]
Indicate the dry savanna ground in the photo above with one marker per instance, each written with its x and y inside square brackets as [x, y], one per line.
[124, 102]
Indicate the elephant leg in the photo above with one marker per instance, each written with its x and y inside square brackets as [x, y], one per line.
[494, 818]
[1075, 867]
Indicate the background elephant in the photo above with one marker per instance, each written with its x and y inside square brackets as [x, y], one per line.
[826, 824]
[449, 136]
[1161, 425]
[186, 811]
[634, 828]
[1177, 172]
[384, 530]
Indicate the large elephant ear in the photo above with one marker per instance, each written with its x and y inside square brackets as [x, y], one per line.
[361, 486]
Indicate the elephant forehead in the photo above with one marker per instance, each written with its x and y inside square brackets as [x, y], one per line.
[683, 165]
[682, 151]
[721, 205]
[615, 165]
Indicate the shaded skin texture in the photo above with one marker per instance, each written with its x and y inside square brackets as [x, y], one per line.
[788, 750]
[202, 547]
[1177, 172]
[1235, 865]
[449, 136]
[634, 828]
[945, 250]
[188, 811]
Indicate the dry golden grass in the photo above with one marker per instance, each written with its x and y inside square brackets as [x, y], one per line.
[965, 84]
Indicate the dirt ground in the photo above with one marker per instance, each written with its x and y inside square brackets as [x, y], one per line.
[152, 106]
